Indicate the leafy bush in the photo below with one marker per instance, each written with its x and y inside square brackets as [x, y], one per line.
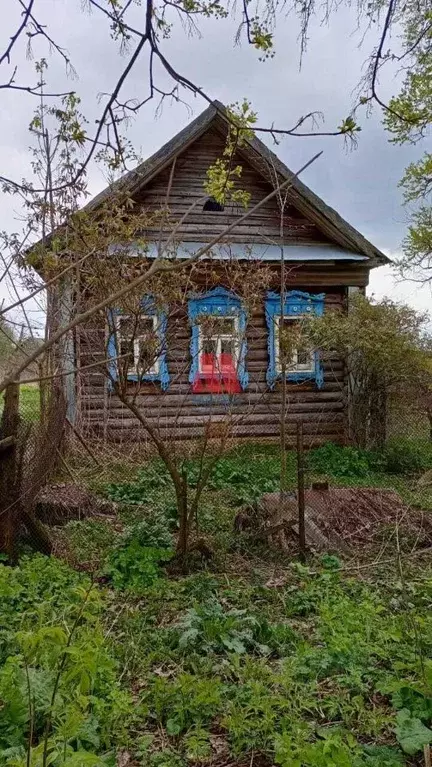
[333, 749]
[339, 461]
[407, 456]
[209, 628]
[41, 591]
[58, 681]
[246, 481]
[133, 567]
[153, 477]
[134, 564]
[399, 456]
[186, 701]
[151, 532]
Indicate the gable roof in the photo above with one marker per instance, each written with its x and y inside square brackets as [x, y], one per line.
[262, 159]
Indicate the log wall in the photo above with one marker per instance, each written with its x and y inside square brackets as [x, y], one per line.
[182, 415]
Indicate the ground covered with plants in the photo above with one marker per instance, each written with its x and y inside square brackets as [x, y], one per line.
[110, 654]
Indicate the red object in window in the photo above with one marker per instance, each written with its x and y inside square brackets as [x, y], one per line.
[218, 375]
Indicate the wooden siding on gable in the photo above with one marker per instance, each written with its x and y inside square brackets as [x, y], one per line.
[187, 188]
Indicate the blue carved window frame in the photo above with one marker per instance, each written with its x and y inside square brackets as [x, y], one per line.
[218, 302]
[149, 309]
[296, 304]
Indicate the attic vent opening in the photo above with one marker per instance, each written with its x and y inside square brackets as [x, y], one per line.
[212, 204]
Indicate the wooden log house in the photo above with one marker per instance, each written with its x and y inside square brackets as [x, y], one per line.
[234, 370]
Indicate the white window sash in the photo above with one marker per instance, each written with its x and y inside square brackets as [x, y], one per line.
[294, 366]
[234, 336]
[135, 369]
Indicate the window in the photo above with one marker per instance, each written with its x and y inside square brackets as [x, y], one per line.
[285, 338]
[136, 344]
[299, 357]
[218, 345]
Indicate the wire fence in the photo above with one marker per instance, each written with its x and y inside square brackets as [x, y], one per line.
[315, 496]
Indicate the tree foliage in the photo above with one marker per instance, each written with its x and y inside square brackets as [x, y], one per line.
[408, 119]
[387, 349]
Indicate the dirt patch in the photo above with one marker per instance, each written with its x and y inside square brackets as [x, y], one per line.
[362, 516]
[340, 519]
[58, 504]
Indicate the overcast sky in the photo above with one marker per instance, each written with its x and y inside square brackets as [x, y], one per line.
[361, 185]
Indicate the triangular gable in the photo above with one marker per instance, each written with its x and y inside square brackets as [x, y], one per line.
[184, 179]
[257, 155]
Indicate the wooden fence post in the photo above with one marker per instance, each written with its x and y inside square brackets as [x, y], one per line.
[9, 490]
[301, 493]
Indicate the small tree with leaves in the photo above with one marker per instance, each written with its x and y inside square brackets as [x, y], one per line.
[386, 348]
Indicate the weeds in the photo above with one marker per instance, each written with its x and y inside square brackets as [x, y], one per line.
[318, 669]
[60, 698]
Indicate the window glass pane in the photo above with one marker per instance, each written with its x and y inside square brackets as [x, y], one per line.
[286, 340]
[228, 346]
[287, 322]
[126, 352]
[138, 340]
[218, 346]
[145, 326]
[125, 341]
[147, 357]
[225, 326]
[292, 348]
[303, 357]
[213, 327]
[209, 346]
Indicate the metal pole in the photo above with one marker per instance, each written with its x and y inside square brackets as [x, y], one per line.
[301, 493]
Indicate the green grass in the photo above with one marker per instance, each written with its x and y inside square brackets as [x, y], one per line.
[248, 658]
[247, 472]
[29, 404]
[314, 668]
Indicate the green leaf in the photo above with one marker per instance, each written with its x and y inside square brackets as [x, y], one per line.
[411, 733]
[188, 637]
[173, 727]
[234, 644]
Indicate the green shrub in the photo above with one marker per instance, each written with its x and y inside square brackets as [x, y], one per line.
[134, 564]
[133, 567]
[151, 532]
[57, 676]
[41, 591]
[339, 461]
[153, 477]
[407, 456]
[209, 628]
[184, 702]
[245, 480]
